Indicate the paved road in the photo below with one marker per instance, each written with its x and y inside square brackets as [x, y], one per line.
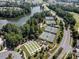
[65, 44]
[66, 40]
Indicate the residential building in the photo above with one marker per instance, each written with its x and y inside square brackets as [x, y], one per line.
[49, 18]
[47, 36]
[48, 22]
[30, 48]
[52, 30]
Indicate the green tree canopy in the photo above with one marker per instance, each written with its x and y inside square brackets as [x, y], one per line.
[12, 39]
[11, 28]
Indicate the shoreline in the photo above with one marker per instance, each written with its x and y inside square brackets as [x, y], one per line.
[15, 18]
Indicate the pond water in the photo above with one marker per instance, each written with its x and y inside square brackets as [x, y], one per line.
[22, 20]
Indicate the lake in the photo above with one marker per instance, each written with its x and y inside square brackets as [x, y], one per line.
[22, 20]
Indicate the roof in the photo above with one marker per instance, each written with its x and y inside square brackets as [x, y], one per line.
[50, 22]
[15, 55]
[31, 47]
[47, 36]
[54, 25]
[49, 17]
[51, 29]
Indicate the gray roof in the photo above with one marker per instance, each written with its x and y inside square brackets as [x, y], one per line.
[47, 36]
[50, 22]
[31, 47]
[51, 29]
[57, 26]
[50, 18]
[15, 55]
[54, 25]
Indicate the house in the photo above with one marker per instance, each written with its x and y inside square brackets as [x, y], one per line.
[49, 33]
[52, 30]
[47, 36]
[30, 48]
[49, 18]
[48, 22]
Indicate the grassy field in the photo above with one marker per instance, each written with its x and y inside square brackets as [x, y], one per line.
[76, 16]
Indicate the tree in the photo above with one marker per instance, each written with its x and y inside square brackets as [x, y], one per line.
[36, 54]
[45, 0]
[26, 7]
[13, 35]
[12, 39]
[68, 18]
[60, 37]
[11, 28]
[29, 57]
[25, 30]
[54, 57]
[61, 25]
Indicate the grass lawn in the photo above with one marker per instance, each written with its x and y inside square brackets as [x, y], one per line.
[76, 16]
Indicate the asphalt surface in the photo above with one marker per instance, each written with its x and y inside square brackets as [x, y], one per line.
[65, 44]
